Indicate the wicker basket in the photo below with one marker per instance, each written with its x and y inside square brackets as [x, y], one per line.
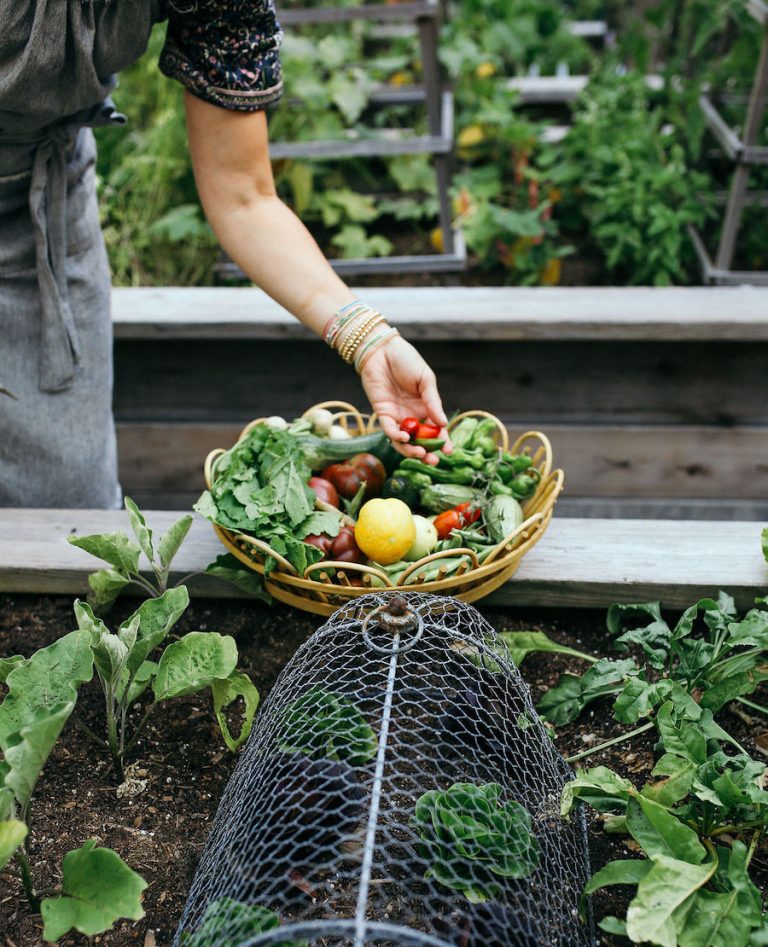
[326, 585]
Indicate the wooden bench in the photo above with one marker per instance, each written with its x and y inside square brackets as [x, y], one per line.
[578, 563]
[655, 399]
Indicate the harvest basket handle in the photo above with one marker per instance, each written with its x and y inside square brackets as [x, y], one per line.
[345, 409]
[433, 557]
[542, 455]
[209, 468]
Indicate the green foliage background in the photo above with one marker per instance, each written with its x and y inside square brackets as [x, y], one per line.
[616, 194]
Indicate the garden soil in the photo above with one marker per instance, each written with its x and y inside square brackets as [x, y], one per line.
[159, 820]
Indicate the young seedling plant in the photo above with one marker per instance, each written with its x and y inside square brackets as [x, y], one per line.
[97, 887]
[191, 664]
[122, 554]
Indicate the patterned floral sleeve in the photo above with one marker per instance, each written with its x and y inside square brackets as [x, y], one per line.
[225, 51]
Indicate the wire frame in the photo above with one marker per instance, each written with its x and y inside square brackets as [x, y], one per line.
[398, 788]
[325, 585]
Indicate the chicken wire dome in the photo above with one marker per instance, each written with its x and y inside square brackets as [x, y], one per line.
[398, 788]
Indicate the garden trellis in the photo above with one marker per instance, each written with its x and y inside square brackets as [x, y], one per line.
[398, 789]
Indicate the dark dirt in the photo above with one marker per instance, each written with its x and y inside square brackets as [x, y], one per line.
[160, 832]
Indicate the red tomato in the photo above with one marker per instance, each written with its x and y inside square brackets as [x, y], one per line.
[345, 478]
[325, 491]
[344, 547]
[371, 470]
[410, 426]
[428, 432]
[320, 541]
[460, 516]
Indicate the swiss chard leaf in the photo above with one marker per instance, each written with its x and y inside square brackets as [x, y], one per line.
[227, 921]
[321, 724]
[523, 643]
[564, 703]
[598, 787]
[641, 624]
[97, 889]
[659, 831]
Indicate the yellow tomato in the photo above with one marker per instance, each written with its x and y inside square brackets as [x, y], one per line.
[485, 70]
[385, 530]
[436, 239]
[471, 136]
[401, 78]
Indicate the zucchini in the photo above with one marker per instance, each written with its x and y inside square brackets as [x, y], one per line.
[319, 452]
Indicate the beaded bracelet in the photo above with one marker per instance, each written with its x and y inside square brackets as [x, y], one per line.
[355, 331]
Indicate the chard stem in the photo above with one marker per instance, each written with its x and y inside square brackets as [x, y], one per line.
[608, 743]
[753, 705]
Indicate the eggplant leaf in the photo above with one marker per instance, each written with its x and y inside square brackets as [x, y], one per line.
[98, 888]
[116, 549]
[225, 692]
[12, 835]
[156, 617]
[106, 585]
[8, 664]
[170, 542]
[194, 663]
[141, 531]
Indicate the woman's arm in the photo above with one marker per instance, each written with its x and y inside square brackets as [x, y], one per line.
[230, 157]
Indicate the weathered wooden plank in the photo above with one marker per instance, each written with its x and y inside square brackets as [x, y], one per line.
[455, 313]
[526, 383]
[578, 563]
[659, 461]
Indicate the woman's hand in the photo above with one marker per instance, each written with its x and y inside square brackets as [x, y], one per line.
[400, 384]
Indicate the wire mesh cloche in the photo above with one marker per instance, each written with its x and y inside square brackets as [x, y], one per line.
[398, 788]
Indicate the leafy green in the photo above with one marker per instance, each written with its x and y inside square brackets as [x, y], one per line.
[563, 704]
[260, 487]
[522, 643]
[229, 923]
[321, 724]
[228, 568]
[97, 889]
[471, 838]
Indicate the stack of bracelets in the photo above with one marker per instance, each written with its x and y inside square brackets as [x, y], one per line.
[356, 331]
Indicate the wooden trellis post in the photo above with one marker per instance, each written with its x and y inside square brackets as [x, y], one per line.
[438, 142]
[745, 152]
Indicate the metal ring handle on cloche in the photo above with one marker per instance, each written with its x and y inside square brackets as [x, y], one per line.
[396, 617]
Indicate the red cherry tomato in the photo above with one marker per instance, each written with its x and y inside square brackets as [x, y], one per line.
[325, 491]
[428, 432]
[410, 426]
[460, 516]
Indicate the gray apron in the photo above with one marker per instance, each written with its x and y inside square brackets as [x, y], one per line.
[57, 64]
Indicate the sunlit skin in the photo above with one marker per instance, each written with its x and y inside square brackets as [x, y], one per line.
[230, 158]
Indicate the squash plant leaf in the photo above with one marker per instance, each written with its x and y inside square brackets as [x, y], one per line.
[226, 692]
[97, 889]
[116, 549]
[141, 531]
[12, 834]
[194, 663]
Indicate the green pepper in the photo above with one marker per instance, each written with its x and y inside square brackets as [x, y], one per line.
[430, 443]
[499, 489]
[518, 462]
[524, 485]
[462, 434]
[462, 475]
[487, 445]
[462, 458]
[484, 432]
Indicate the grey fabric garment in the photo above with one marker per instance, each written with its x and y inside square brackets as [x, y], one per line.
[57, 64]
